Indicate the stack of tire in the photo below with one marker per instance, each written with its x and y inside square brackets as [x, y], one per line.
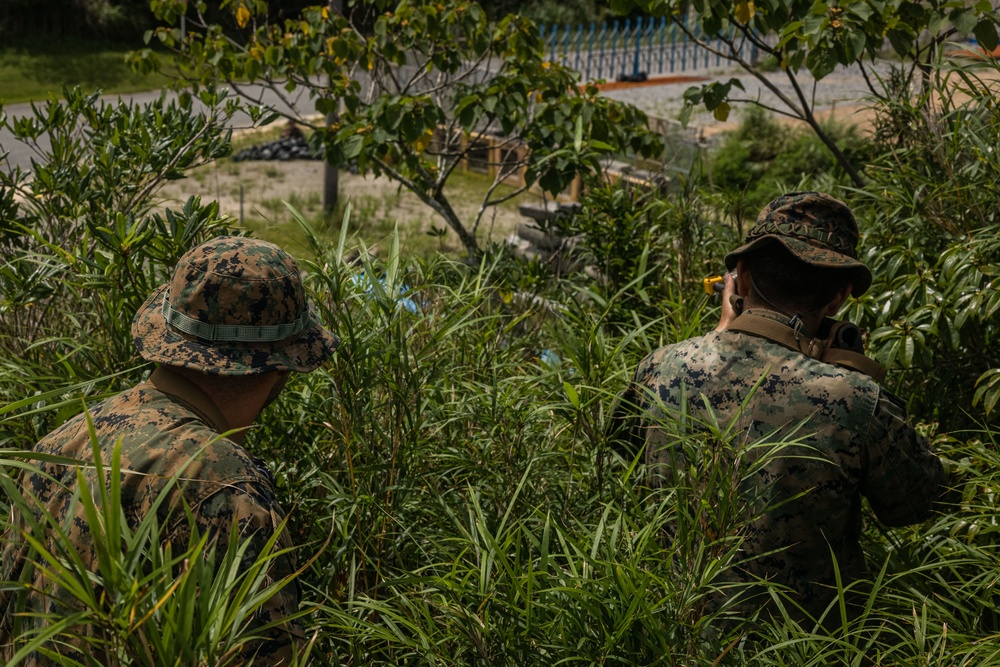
[284, 149]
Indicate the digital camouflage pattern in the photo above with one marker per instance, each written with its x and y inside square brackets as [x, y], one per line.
[807, 497]
[167, 427]
[815, 227]
[234, 306]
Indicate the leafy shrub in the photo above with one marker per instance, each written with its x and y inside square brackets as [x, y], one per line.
[650, 252]
[932, 230]
[763, 158]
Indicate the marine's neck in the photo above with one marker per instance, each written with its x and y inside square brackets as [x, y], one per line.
[804, 325]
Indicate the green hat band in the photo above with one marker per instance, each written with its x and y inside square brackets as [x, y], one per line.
[234, 333]
[812, 234]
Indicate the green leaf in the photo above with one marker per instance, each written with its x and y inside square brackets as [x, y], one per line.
[964, 21]
[572, 395]
[684, 116]
[353, 146]
[821, 61]
[986, 34]
[854, 45]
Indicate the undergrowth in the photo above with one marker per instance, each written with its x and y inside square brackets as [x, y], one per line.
[448, 477]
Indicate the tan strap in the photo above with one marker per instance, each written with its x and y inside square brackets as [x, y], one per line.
[855, 362]
[815, 348]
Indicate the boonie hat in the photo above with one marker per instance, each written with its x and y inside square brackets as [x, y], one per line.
[815, 227]
[234, 306]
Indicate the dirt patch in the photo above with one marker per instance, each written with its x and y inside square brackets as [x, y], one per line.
[255, 193]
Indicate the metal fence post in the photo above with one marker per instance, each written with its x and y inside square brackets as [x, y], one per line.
[638, 45]
[566, 37]
[614, 49]
[579, 45]
[663, 29]
[590, 49]
[600, 59]
[684, 51]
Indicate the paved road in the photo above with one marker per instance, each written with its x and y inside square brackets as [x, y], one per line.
[20, 155]
[844, 88]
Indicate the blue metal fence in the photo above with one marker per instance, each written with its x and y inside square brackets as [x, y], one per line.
[620, 49]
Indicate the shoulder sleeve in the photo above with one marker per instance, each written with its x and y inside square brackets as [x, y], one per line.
[255, 511]
[903, 478]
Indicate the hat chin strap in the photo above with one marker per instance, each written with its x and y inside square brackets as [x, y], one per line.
[234, 333]
[794, 320]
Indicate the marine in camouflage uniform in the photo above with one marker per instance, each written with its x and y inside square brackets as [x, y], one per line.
[851, 437]
[235, 308]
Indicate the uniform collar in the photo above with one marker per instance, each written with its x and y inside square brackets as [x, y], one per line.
[793, 323]
[182, 390]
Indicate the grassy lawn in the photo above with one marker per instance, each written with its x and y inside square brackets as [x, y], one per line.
[34, 70]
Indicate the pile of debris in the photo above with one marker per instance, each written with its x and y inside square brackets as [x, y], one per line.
[536, 239]
[291, 146]
[285, 149]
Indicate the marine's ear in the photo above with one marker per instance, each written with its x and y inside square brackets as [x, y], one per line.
[743, 279]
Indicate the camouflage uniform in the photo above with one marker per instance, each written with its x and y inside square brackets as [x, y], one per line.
[851, 436]
[235, 306]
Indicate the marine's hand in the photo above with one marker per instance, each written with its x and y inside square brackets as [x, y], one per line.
[728, 312]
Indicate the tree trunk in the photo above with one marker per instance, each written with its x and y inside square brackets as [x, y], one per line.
[331, 178]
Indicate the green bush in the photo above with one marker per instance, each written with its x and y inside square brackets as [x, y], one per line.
[763, 158]
[646, 253]
[82, 225]
[932, 229]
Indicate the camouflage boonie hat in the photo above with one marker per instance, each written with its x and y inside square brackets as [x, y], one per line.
[235, 306]
[816, 228]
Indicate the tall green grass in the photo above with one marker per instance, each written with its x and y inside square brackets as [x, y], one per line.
[148, 599]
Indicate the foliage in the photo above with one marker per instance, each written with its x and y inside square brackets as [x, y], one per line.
[933, 236]
[60, 19]
[151, 601]
[551, 11]
[418, 95]
[478, 514]
[763, 157]
[455, 447]
[819, 37]
[645, 249]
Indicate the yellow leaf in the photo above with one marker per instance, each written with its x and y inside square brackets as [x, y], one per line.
[242, 16]
[329, 46]
[745, 11]
[721, 112]
[421, 144]
[325, 13]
